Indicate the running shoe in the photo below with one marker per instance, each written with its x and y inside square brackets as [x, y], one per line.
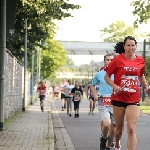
[102, 143]
[118, 148]
[92, 113]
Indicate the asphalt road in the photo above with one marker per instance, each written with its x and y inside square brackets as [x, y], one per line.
[85, 130]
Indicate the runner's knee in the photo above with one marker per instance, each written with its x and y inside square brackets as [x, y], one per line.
[131, 131]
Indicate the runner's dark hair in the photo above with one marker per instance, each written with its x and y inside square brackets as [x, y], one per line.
[119, 47]
[69, 80]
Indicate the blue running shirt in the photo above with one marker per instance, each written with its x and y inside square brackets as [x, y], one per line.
[104, 88]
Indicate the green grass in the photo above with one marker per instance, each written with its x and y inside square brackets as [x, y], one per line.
[15, 116]
[145, 109]
[145, 106]
[12, 118]
[55, 143]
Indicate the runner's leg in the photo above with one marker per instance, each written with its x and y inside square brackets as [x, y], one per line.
[119, 114]
[112, 126]
[70, 106]
[132, 115]
[67, 100]
[90, 106]
[105, 124]
[93, 105]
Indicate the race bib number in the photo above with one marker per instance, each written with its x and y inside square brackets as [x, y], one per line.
[106, 100]
[77, 96]
[42, 91]
[130, 83]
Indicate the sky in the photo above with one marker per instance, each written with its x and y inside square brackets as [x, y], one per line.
[90, 19]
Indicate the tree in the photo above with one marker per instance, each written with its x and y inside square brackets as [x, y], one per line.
[147, 69]
[141, 11]
[53, 56]
[41, 16]
[69, 61]
[117, 31]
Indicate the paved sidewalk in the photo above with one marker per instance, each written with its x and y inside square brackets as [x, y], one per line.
[32, 130]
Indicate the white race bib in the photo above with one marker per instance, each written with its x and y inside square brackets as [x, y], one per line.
[131, 83]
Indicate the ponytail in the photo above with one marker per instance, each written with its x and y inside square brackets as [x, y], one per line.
[118, 48]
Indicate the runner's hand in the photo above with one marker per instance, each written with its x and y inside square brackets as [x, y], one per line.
[96, 98]
[147, 88]
[117, 89]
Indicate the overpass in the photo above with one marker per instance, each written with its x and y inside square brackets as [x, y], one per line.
[75, 75]
[97, 48]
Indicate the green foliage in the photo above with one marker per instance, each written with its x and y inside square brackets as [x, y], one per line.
[117, 31]
[141, 11]
[147, 69]
[69, 62]
[52, 57]
[40, 15]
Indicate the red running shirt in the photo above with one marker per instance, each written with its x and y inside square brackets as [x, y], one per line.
[102, 68]
[42, 89]
[126, 72]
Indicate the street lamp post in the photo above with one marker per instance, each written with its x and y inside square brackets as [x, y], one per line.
[2, 57]
[39, 62]
[32, 81]
[38, 71]
[25, 65]
[144, 56]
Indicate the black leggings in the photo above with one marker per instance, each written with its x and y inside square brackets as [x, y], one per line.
[123, 104]
[76, 105]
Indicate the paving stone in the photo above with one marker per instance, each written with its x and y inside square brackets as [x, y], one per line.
[30, 131]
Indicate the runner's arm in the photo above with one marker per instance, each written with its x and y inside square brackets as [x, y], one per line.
[94, 92]
[144, 84]
[109, 81]
[142, 80]
[95, 81]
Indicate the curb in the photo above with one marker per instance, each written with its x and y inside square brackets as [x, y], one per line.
[51, 133]
[51, 129]
[63, 140]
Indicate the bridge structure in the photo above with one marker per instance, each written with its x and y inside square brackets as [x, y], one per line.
[78, 75]
[74, 75]
[98, 48]
[94, 48]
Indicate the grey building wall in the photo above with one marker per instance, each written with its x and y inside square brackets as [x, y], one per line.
[13, 86]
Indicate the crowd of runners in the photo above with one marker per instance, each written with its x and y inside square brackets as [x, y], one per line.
[115, 89]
